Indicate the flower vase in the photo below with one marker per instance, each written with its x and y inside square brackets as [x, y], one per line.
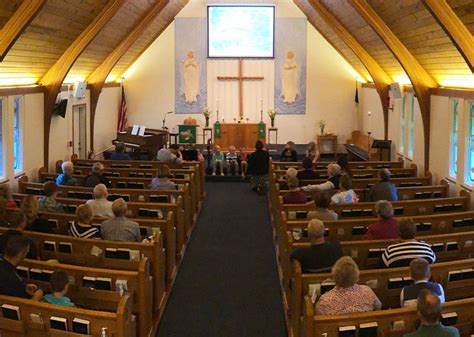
[322, 131]
[272, 122]
[207, 122]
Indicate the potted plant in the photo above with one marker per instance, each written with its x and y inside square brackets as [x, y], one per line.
[272, 115]
[207, 114]
[322, 125]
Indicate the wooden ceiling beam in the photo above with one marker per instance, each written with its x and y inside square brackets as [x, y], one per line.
[454, 28]
[15, 26]
[98, 77]
[55, 76]
[381, 79]
[422, 82]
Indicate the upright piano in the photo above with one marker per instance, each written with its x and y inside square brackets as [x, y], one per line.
[150, 142]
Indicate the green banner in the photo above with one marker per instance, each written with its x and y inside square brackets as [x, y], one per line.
[217, 130]
[261, 130]
[187, 134]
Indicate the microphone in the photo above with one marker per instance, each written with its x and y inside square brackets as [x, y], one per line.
[164, 120]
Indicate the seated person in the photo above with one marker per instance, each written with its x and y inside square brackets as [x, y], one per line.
[3, 213]
[172, 155]
[120, 228]
[100, 206]
[401, 254]
[322, 255]
[420, 273]
[66, 178]
[119, 153]
[295, 196]
[82, 228]
[199, 155]
[322, 200]
[232, 160]
[346, 194]
[334, 172]
[289, 154]
[162, 179]
[312, 152]
[59, 288]
[386, 227]
[307, 173]
[347, 297]
[243, 162]
[217, 160]
[343, 162]
[384, 189]
[34, 222]
[428, 308]
[96, 177]
[48, 202]
[6, 194]
[17, 221]
[11, 283]
[290, 173]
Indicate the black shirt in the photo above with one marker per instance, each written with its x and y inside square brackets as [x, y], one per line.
[95, 179]
[258, 162]
[32, 254]
[289, 156]
[318, 258]
[41, 225]
[307, 174]
[11, 283]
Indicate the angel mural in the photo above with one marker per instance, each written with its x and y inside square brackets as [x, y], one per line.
[289, 78]
[190, 75]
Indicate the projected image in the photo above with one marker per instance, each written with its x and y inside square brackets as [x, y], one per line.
[240, 31]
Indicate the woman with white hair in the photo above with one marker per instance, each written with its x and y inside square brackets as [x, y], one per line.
[347, 296]
[100, 206]
[334, 172]
[386, 227]
[66, 178]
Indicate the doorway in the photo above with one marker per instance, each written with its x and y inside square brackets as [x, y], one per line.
[79, 130]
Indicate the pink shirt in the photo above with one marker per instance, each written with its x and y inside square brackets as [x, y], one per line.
[341, 301]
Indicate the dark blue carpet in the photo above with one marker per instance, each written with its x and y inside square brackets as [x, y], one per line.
[228, 282]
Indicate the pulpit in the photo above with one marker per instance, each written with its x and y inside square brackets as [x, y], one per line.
[240, 135]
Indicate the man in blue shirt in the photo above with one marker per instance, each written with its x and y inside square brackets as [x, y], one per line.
[120, 153]
[429, 312]
[11, 283]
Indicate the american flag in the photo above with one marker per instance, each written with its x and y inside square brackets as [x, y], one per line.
[122, 120]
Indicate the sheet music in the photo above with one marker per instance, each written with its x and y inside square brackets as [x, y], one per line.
[141, 132]
[135, 130]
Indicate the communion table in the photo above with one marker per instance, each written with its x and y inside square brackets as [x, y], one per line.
[239, 135]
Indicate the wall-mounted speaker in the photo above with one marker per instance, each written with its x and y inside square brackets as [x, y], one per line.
[79, 89]
[396, 91]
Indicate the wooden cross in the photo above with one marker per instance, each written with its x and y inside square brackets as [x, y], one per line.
[241, 78]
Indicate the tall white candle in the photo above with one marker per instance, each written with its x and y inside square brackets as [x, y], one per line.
[261, 105]
[369, 114]
[217, 109]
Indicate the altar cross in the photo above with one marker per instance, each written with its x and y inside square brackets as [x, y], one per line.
[240, 78]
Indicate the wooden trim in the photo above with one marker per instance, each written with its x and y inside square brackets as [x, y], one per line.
[9, 91]
[57, 73]
[17, 24]
[459, 93]
[98, 77]
[420, 79]
[369, 85]
[454, 28]
[467, 188]
[381, 79]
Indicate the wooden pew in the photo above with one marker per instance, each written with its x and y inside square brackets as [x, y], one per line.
[119, 322]
[353, 165]
[319, 325]
[385, 283]
[362, 173]
[82, 256]
[139, 287]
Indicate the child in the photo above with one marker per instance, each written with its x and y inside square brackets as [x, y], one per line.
[312, 152]
[48, 203]
[307, 173]
[289, 154]
[161, 180]
[420, 273]
[243, 162]
[59, 288]
[217, 160]
[231, 159]
[346, 194]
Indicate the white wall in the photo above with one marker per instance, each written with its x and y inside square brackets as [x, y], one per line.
[330, 85]
[106, 118]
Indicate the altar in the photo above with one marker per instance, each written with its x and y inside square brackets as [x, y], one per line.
[239, 135]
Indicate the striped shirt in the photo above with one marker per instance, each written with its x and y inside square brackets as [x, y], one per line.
[85, 232]
[401, 254]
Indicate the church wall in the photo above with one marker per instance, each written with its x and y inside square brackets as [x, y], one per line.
[150, 83]
[106, 118]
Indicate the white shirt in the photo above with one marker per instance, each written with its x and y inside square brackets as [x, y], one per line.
[101, 207]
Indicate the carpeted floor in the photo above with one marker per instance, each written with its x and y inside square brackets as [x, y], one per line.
[228, 282]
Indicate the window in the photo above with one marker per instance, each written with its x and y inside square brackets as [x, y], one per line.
[17, 146]
[470, 146]
[453, 162]
[2, 109]
[401, 145]
[411, 127]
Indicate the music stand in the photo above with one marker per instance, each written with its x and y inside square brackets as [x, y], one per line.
[382, 144]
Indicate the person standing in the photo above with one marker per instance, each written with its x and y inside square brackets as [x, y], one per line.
[258, 163]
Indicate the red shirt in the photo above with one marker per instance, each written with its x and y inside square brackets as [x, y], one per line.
[382, 229]
[295, 197]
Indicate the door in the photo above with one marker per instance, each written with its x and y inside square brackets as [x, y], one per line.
[79, 130]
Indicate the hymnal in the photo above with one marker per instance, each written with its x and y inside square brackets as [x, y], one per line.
[123, 254]
[111, 253]
[437, 247]
[395, 283]
[46, 275]
[81, 326]
[49, 246]
[65, 247]
[347, 331]
[11, 312]
[375, 253]
[455, 275]
[358, 230]
[326, 286]
[88, 282]
[103, 283]
[35, 274]
[450, 246]
[449, 318]
[58, 323]
[368, 329]
[467, 273]
[23, 272]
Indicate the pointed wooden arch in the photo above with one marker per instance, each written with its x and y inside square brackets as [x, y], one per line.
[55, 76]
[454, 28]
[381, 79]
[98, 77]
[420, 79]
[15, 26]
